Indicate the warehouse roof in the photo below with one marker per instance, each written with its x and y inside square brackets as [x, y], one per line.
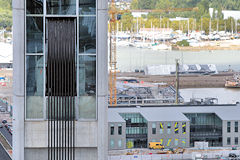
[169, 113]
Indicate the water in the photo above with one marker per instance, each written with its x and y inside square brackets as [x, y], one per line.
[131, 58]
[224, 95]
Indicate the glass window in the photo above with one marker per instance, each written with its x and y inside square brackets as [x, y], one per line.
[119, 129]
[183, 142]
[161, 128]
[34, 6]
[87, 7]
[34, 87]
[62, 7]
[236, 141]
[184, 128]
[176, 142]
[236, 126]
[119, 143]
[169, 142]
[176, 128]
[34, 27]
[87, 33]
[228, 127]
[112, 129]
[112, 143]
[153, 128]
[87, 87]
[169, 128]
[228, 140]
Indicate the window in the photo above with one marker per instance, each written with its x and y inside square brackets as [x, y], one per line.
[119, 143]
[228, 140]
[66, 7]
[34, 87]
[183, 142]
[228, 127]
[112, 143]
[236, 126]
[87, 87]
[153, 140]
[184, 128]
[87, 39]
[119, 129]
[169, 128]
[34, 37]
[34, 7]
[161, 128]
[153, 128]
[176, 128]
[236, 141]
[176, 142]
[169, 142]
[112, 129]
[87, 7]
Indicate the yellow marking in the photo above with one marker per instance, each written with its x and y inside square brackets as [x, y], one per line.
[183, 142]
[161, 125]
[176, 129]
[184, 125]
[184, 132]
[169, 142]
[161, 141]
[176, 124]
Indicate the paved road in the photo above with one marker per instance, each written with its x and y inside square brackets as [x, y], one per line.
[3, 154]
[6, 134]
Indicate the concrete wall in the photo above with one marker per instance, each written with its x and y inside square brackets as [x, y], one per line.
[102, 79]
[18, 78]
[42, 153]
[165, 136]
[116, 137]
[232, 134]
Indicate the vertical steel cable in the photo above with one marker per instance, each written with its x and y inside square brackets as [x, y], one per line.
[61, 91]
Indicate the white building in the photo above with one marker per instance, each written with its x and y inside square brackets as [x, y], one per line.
[234, 14]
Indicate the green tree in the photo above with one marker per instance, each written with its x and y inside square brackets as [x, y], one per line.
[127, 21]
[134, 4]
[164, 4]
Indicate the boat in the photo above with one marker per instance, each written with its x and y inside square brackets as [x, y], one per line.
[161, 47]
[232, 84]
[235, 83]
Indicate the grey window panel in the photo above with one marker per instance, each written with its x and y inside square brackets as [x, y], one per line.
[34, 26]
[61, 7]
[34, 6]
[34, 87]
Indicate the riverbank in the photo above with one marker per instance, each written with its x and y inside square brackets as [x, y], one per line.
[211, 45]
[210, 48]
[185, 81]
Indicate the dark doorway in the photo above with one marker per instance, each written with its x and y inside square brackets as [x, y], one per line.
[61, 87]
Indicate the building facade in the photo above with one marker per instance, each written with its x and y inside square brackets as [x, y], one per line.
[175, 126]
[60, 79]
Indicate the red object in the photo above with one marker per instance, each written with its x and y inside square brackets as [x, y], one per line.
[150, 153]
[142, 82]
[125, 82]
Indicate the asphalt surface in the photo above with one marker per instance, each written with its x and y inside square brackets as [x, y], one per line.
[3, 154]
[6, 134]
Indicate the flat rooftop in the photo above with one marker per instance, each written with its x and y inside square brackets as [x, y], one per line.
[174, 112]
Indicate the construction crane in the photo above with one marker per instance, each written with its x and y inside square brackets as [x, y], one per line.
[115, 16]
